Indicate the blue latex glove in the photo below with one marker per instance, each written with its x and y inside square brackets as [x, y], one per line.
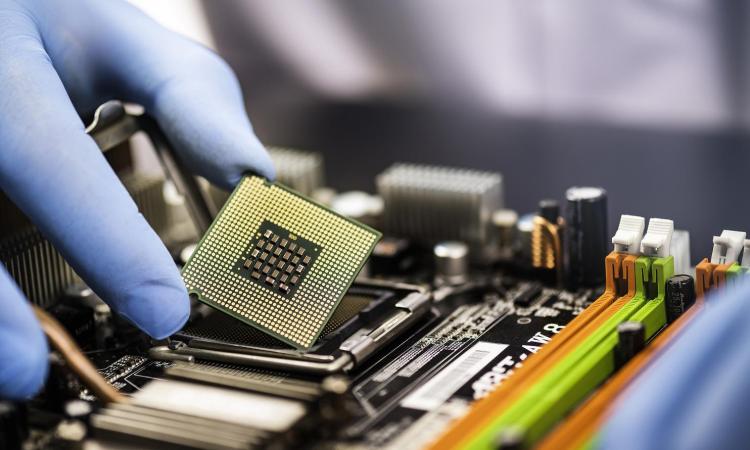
[697, 394]
[59, 58]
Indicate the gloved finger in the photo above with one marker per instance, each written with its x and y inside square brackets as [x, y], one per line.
[202, 114]
[23, 348]
[190, 90]
[696, 395]
[56, 174]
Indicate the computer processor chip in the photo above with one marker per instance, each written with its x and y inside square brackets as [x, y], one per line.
[278, 261]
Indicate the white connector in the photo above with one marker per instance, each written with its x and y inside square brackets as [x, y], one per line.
[680, 251]
[629, 233]
[746, 254]
[658, 238]
[727, 247]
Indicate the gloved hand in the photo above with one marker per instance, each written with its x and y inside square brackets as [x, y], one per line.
[59, 58]
[696, 395]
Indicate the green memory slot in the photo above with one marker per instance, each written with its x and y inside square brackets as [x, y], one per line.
[590, 364]
[735, 273]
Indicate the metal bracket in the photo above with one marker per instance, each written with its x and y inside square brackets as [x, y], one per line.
[113, 124]
[366, 341]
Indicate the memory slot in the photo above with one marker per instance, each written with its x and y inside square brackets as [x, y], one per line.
[574, 378]
[618, 266]
[580, 428]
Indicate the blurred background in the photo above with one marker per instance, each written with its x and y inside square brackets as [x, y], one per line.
[648, 99]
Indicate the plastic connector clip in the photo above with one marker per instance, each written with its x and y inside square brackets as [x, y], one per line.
[629, 233]
[658, 238]
[746, 255]
[727, 247]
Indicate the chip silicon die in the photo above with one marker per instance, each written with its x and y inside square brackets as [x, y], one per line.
[278, 261]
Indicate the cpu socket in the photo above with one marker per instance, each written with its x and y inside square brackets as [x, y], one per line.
[370, 315]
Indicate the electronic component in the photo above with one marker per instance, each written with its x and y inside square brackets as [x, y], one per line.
[710, 274]
[462, 358]
[524, 229]
[148, 194]
[35, 264]
[680, 296]
[278, 261]
[209, 402]
[300, 170]
[431, 204]
[247, 379]
[527, 295]
[727, 247]
[372, 314]
[681, 251]
[546, 241]
[746, 254]
[631, 338]
[629, 234]
[399, 361]
[546, 388]
[658, 239]
[392, 256]
[549, 210]
[189, 415]
[586, 235]
[358, 205]
[451, 262]
[504, 224]
[580, 428]
[220, 327]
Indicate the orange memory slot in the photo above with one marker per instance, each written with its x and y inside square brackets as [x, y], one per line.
[618, 265]
[581, 426]
[709, 276]
[704, 277]
[720, 275]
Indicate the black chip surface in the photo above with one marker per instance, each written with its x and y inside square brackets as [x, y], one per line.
[277, 240]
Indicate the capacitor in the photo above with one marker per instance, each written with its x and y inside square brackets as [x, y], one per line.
[504, 225]
[451, 262]
[631, 338]
[391, 256]
[549, 210]
[358, 205]
[524, 228]
[679, 296]
[586, 236]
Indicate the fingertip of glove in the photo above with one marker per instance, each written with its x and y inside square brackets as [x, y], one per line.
[158, 308]
[264, 166]
[24, 368]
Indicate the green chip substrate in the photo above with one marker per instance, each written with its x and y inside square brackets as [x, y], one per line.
[278, 261]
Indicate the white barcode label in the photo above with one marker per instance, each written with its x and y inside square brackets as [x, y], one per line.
[439, 389]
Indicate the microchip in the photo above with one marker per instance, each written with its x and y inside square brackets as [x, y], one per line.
[278, 261]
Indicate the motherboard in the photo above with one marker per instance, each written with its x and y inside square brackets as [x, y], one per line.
[463, 325]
